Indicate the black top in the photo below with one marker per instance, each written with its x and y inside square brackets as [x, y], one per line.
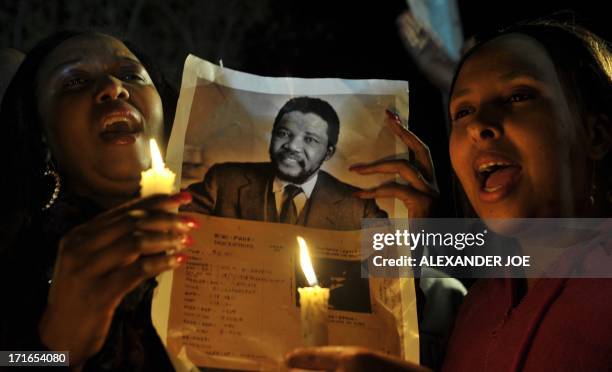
[25, 272]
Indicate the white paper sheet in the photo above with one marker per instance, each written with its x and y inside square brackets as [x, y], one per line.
[241, 323]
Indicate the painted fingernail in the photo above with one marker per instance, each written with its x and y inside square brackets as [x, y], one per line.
[190, 222]
[183, 197]
[393, 116]
[173, 262]
[187, 240]
[356, 166]
[181, 258]
[137, 213]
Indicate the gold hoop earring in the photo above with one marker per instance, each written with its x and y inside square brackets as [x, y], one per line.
[50, 171]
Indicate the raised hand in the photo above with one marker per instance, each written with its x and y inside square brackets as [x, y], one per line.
[422, 189]
[99, 262]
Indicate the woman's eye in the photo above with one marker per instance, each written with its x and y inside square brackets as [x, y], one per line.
[519, 97]
[462, 113]
[133, 77]
[74, 83]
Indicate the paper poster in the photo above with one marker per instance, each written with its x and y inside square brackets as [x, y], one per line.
[238, 140]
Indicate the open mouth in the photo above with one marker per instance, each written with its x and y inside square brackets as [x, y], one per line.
[120, 128]
[119, 133]
[496, 175]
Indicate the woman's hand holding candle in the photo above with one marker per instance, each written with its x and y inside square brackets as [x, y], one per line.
[99, 262]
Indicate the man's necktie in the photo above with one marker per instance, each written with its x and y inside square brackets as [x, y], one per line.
[288, 212]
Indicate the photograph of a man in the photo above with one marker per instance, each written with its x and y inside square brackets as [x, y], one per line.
[291, 188]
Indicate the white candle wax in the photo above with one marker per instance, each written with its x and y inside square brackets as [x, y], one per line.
[313, 313]
[313, 303]
[158, 179]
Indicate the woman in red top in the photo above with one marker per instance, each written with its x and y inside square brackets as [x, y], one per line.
[537, 100]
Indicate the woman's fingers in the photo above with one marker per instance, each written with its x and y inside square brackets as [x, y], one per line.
[418, 196]
[421, 150]
[134, 235]
[347, 359]
[110, 225]
[397, 166]
[86, 240]
[122, 281]
[393, 190]
[99, 262]
[420, 175]
[418, 203]
[166, 222]
[131, 247]
[325, 358]
[167, 203]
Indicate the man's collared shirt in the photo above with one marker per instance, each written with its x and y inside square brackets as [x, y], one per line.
[278, 186]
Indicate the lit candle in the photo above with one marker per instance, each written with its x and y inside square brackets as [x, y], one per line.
[158, 179]
[313, 303]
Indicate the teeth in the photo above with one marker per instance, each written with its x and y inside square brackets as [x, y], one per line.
[117, 118]
[117, 126]
[111, 121]
[492, 189]
[486, 166]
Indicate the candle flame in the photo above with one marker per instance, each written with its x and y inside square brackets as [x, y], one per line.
[306, 263]
[156, 158]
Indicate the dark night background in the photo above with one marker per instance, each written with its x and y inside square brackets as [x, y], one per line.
[314, 38]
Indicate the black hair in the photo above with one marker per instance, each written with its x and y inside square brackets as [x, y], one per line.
[316, 106]
[22, 149]
[583, 62]
[582, 59]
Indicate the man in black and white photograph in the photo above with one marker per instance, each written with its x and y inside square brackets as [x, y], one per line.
[291, 187]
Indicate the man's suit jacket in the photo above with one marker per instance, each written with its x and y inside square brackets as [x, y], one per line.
[244, 190]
